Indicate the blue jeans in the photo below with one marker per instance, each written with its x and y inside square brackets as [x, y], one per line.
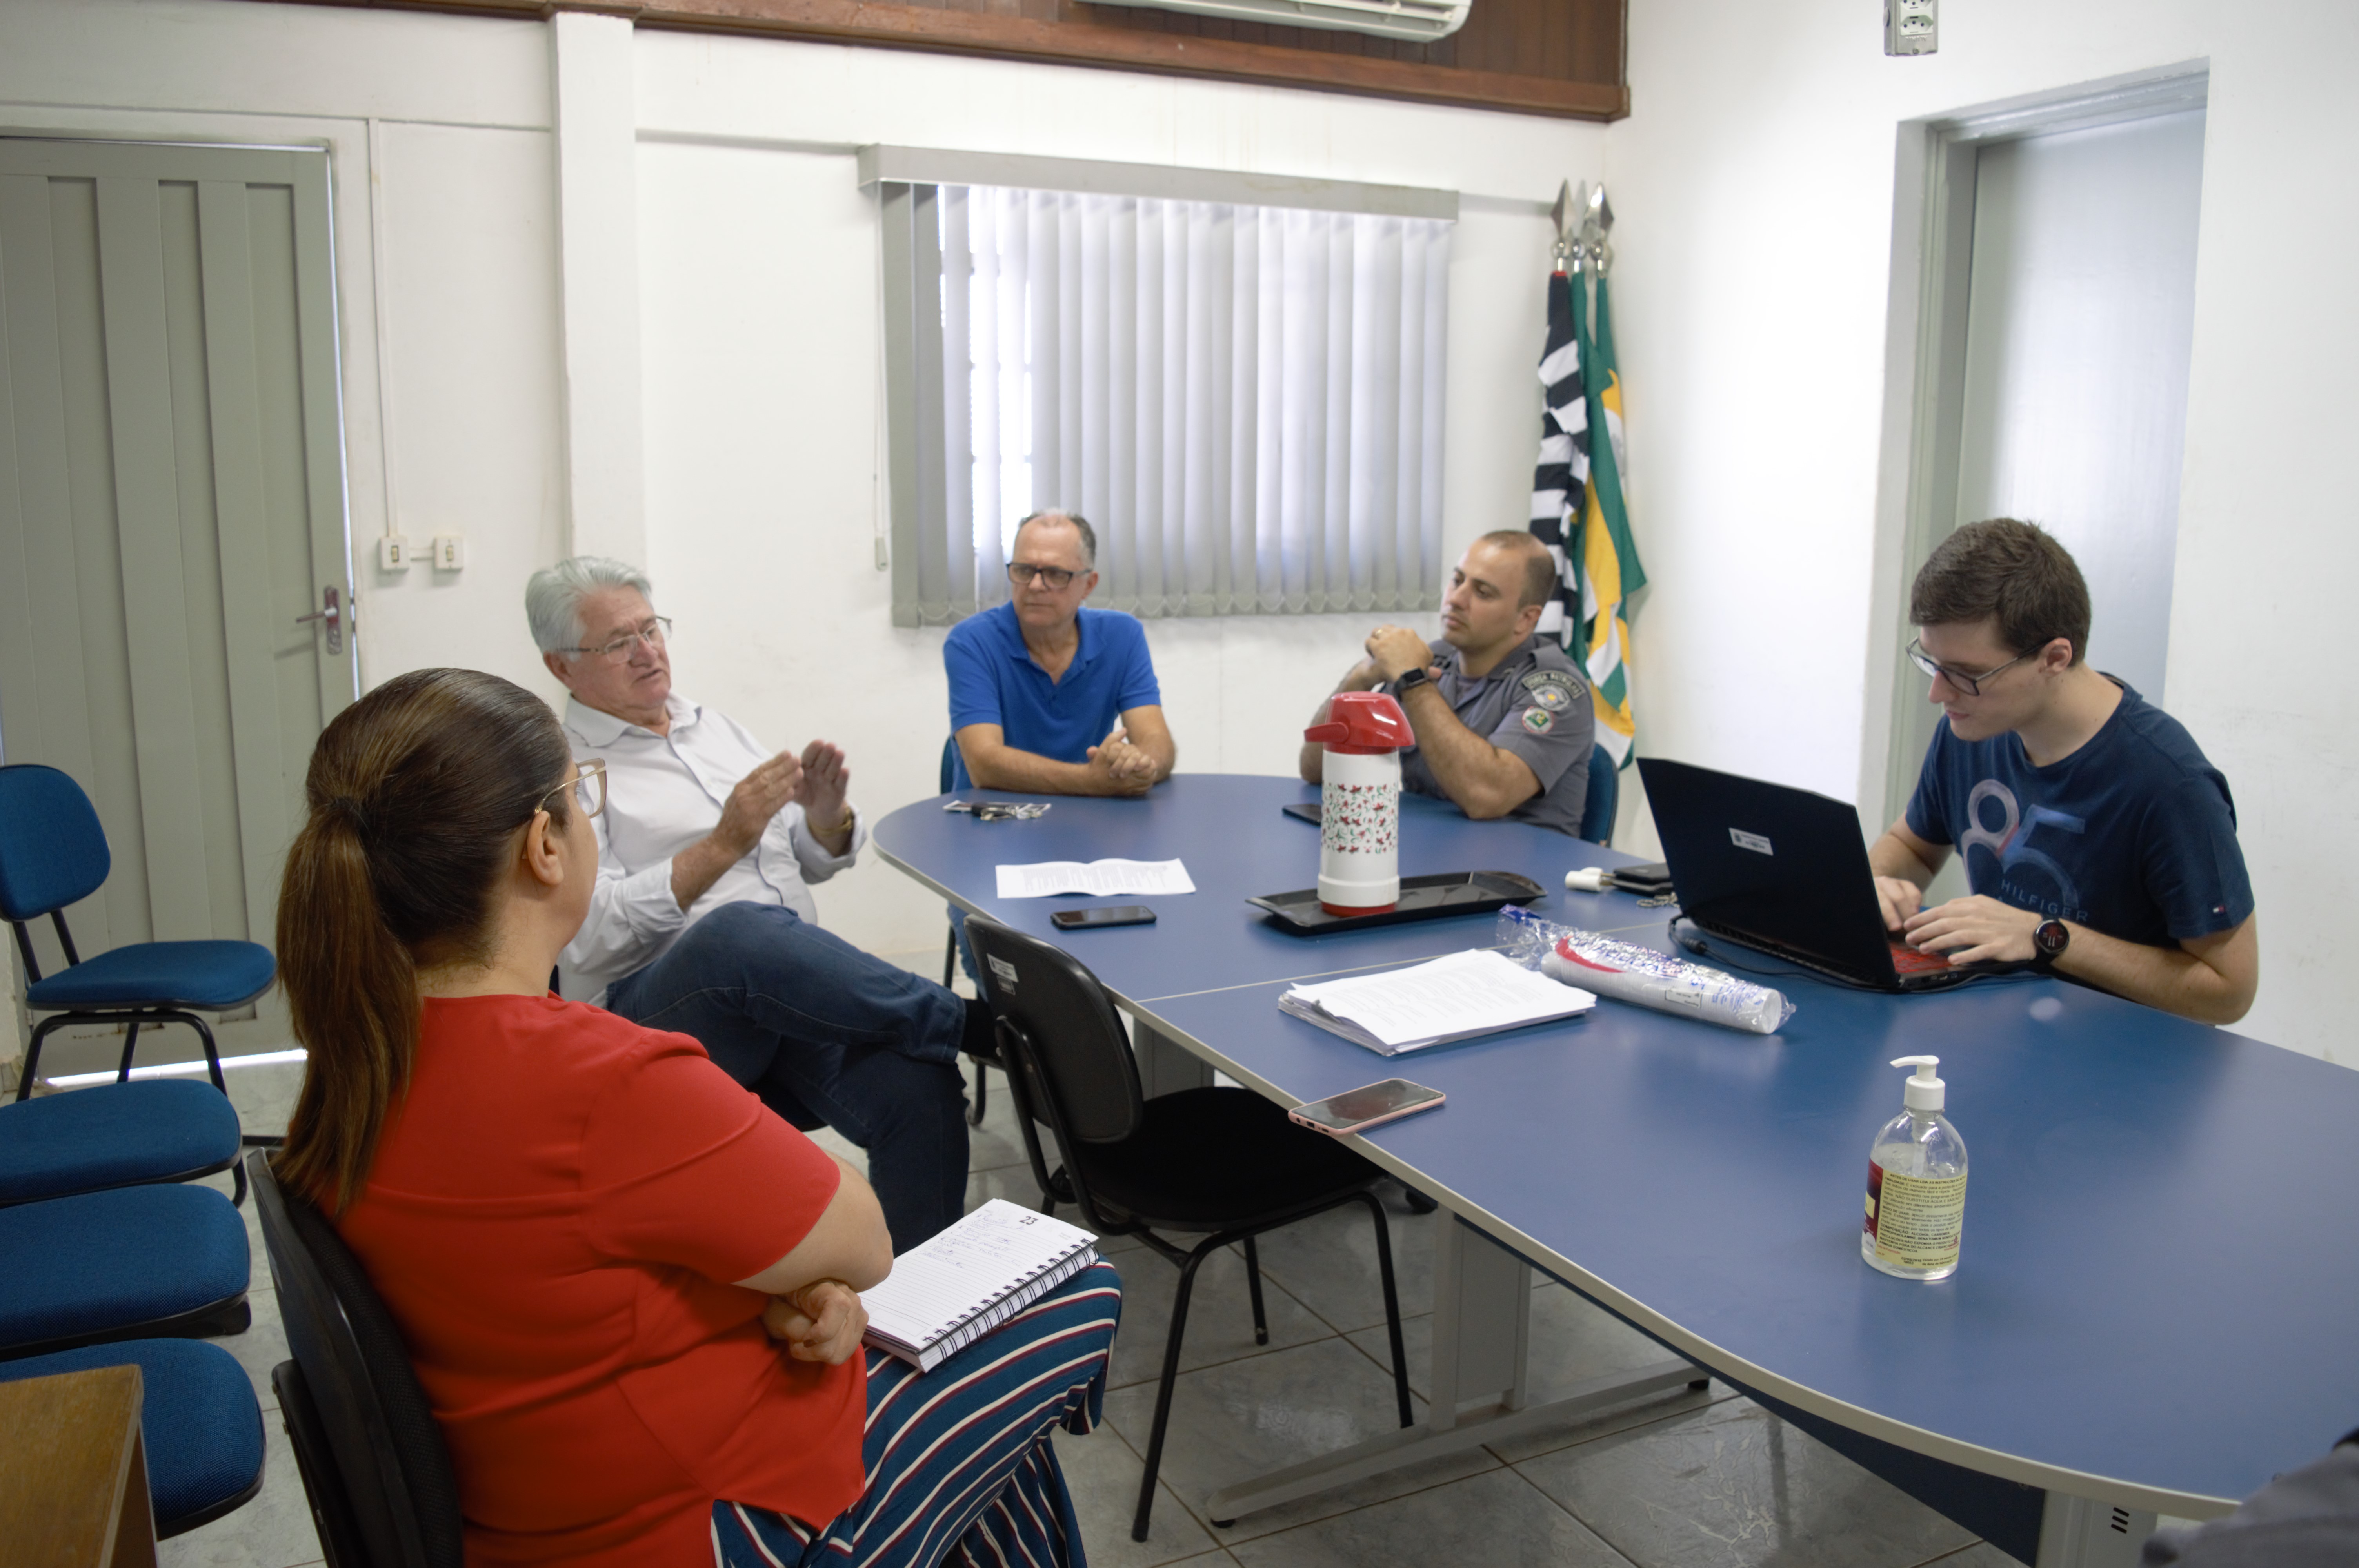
[824, 1033]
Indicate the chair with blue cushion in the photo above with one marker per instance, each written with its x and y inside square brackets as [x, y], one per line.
[146, 1262]
[1604, 796]
[374, 1465]
[115, 1135]
[200, 1423]
[53, 853]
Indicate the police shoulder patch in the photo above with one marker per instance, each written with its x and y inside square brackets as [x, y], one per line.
[1537, 719]
[1552, 690]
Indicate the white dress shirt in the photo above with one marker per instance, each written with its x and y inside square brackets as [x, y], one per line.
[663, 794]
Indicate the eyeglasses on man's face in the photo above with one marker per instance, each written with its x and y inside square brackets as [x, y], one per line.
[617, 648]
[1972, 685]
[588, 785]
[1021, 574]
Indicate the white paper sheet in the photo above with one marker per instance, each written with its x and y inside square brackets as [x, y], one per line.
[1451, 997]
[1099, 879]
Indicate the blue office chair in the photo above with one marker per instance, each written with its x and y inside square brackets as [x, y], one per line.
[200, 1423]
[1597, 807]
[53, 853]
[115, 1135]
[152, 1262]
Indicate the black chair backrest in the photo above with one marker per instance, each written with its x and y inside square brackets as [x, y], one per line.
[398, 1489]
[949, 765]
[1070, 1025]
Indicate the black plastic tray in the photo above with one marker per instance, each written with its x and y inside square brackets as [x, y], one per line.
[1421, 898]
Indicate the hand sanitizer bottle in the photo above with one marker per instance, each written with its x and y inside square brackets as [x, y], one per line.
[1915, 1185]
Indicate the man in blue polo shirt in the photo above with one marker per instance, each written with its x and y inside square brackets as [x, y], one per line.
[1046, 697]
[2098, 841]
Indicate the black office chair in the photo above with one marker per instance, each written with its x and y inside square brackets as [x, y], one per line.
[371, 1458]
[1221, 1161]
[949, 777]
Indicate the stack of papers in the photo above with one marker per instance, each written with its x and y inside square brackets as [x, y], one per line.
[1456, 998]
[947, 1293]
[1102, 879]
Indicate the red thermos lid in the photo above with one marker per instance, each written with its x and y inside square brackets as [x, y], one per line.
[1363, 723]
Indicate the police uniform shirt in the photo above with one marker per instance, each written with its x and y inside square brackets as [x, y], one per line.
[1536, 705]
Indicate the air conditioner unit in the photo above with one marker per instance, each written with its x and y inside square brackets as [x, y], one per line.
[1420, 21]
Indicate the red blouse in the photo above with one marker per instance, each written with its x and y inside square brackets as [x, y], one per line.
[554, 1212]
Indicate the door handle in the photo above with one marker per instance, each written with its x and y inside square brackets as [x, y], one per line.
[333, 615]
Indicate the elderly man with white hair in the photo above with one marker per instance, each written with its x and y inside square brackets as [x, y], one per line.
[702, 923]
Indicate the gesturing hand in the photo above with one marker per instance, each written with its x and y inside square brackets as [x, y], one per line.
[1974, 928]
[821, 789]
[822, 1322]
[759, 795]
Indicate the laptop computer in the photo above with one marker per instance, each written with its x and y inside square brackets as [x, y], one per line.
[1783, 870]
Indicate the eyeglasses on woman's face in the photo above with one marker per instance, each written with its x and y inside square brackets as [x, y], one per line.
[588, 785]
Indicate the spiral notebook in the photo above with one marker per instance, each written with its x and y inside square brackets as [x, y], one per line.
[948, 1293]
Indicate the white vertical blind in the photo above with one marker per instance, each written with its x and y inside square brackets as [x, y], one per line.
[1246, 401]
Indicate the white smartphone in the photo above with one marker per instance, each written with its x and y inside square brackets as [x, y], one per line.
[1372, 1105]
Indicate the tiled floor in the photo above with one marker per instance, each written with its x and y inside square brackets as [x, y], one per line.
[1706, 1479]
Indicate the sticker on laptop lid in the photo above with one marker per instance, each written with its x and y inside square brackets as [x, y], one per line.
[1753, 841]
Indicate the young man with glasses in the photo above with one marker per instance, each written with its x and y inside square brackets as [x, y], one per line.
[701, 921]
[1049, 698]
[2098, 841]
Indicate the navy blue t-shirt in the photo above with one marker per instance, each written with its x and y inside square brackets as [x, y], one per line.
[2133, 834]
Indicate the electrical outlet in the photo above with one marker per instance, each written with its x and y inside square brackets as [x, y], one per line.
[394, 554]
[1911, 27]
[449, 553]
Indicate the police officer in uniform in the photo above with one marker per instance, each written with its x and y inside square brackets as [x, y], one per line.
[1503, 718]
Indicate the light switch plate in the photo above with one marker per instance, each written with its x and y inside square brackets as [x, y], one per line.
[394, 554]
[449, 553]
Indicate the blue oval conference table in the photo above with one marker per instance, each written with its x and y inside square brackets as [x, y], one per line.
[2155, 1307]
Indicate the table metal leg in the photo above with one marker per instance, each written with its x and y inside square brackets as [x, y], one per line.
[1164, 1066]
[2075, 1533]
[1482, 1339]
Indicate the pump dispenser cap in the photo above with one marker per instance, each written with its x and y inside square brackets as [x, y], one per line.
[1924, 1091]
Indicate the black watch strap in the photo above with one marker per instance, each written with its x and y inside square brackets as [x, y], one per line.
[2049, 940]
[1409, 680]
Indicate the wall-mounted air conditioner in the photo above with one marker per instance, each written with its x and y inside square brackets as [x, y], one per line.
[1421, 21]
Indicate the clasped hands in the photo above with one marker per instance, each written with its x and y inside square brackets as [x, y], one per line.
[1124, 768]
[1973, 929]
[822, 1322]
[816, 781]
[1393, 651]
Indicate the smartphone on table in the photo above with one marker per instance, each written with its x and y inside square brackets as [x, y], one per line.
[1104, 914]
[1371, 1105]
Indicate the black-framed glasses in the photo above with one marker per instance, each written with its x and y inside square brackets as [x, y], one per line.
[617, 648]
[588, 785]
[1971, 685]
[1021, 574]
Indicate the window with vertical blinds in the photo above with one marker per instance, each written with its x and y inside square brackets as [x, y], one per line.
[1245, 401]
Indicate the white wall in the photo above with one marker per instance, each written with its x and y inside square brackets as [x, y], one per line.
[1755, 182]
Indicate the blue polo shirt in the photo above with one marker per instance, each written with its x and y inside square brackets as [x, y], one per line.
[994, 681]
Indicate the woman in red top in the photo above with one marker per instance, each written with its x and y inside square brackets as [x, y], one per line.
[629, 1290]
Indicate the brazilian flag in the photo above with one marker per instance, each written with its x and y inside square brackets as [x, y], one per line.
[1606, 567]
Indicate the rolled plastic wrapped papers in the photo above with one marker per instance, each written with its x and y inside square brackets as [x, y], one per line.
[1627, 972]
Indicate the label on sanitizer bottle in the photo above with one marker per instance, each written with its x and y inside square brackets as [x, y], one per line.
[1916, 1221]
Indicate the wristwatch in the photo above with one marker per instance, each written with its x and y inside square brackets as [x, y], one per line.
[1409, 680]
[2049, 940]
